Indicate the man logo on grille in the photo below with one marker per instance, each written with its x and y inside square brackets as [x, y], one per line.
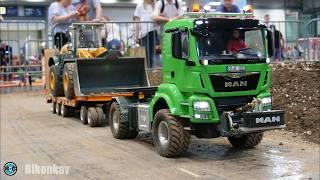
[10, 168]
[236, 84]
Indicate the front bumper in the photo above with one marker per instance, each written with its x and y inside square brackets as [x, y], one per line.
[250, 122]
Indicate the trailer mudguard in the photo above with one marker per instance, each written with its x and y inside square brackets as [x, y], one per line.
[173, 98]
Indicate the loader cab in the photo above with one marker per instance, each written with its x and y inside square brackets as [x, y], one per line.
[87, 40]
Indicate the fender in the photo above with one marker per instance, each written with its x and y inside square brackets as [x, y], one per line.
[173, 97]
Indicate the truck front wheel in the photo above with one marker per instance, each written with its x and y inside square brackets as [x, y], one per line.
[246, 141]
[169, 137]
[120, 129]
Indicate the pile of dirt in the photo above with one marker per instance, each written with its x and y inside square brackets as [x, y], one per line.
[295, 89]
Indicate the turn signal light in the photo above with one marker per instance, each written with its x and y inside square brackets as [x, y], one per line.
[248, 9]
[195, 8]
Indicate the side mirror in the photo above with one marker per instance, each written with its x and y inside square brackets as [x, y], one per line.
[270, 43]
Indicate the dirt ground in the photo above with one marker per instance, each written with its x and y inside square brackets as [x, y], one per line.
[31, 134]
[295, 89]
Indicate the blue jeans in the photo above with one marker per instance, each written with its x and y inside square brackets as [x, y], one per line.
[114, 45]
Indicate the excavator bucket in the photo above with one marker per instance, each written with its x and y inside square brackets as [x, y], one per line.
[101, 75]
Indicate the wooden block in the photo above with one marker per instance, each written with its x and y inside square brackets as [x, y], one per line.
[47, 54]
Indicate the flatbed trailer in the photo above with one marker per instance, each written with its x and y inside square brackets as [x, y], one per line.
[94, 108]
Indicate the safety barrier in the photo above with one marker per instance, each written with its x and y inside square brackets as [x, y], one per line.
[24, 42]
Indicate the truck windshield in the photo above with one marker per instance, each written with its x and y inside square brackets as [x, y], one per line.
[239, 45]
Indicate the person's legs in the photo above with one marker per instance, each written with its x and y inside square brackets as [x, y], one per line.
[145, 44]
[277, 54]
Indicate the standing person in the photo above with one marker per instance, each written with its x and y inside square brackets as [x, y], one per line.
[146, 31]
[228, 7]
[167, 10]
[110, 34]
[267, 20]
[61, 14]
[278, 43]
[90, 10]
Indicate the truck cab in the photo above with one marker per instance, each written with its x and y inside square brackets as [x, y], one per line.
[216, 83]
[215, 71]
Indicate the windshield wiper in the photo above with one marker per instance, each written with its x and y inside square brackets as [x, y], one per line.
[219, 57]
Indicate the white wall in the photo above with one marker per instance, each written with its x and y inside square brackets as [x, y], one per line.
[119, 13]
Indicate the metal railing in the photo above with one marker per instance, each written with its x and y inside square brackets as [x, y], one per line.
[27, 39]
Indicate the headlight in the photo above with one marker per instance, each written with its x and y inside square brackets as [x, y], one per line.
[201, 106]
[266, 100]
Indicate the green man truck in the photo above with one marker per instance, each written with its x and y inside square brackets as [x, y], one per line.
[216, 83]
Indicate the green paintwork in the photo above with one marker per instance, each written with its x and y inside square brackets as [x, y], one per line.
[181, 91]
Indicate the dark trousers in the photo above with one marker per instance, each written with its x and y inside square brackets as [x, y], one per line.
[149, 41]
[60, 39]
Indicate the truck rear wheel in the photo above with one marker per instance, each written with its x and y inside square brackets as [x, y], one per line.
[92, 117]
[58, 109]
[68, 85]
[66, 111]
[119, 129]
[53, 107]
[100, 116]
[169, 137]
[84, 114]
[246, 141]
[55, 81]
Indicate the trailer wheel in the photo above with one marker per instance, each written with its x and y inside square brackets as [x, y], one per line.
[100, 116]
[66, 111]
[169, 137]
[84, 114]
[53, 107]
[119, 129]
[58, 109]
[246, 141]
[55, 81]
[68, 85]
[92, 117]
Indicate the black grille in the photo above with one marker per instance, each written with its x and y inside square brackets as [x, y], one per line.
[234, 82]
[231, 103]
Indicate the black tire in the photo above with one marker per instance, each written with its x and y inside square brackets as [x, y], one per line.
[247, 141]
[68, 84]
[53, 107]
[66, 111]
[100, 116]
[177, 139]
[119, 129]
[58, 109]
[92, 117]
[84, 114]
[55, 81]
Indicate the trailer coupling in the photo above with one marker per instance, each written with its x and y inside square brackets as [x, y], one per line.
[249, 122]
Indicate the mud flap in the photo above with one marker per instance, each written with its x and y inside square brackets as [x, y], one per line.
[94, 76]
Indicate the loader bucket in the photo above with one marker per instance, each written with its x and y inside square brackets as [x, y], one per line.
[95, 76]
